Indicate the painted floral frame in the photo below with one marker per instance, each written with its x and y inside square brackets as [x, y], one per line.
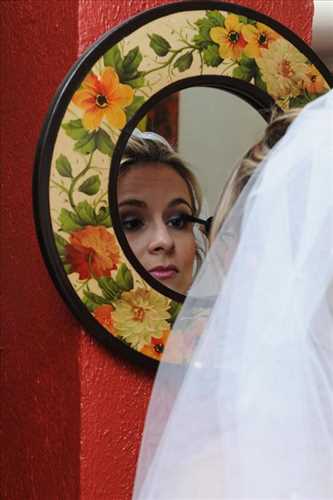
[105, 94]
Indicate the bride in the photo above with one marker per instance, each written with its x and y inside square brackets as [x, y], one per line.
[242, 406]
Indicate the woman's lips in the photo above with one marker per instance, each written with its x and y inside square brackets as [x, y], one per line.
[163, 273]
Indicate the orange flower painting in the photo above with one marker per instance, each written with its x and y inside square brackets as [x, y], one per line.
[259, 37]
[103, 314]
[230, 39]
[103, 97]
[156, 347]
[313, 82]
[92, 252]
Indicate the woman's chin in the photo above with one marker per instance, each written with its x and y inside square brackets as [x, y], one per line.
[175, 285]
[172, 280]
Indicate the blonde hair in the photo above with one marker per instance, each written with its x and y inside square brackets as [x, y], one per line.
[147, 147]
[274, 132]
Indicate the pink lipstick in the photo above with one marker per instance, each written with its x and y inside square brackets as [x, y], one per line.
[163, 272]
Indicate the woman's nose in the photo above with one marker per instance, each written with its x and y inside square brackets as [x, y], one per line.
[161, 239]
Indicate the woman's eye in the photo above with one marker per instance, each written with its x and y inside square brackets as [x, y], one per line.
[131, 223]
[178, 221]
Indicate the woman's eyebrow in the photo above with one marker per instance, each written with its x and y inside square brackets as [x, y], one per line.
[179, 201]
[133, 203]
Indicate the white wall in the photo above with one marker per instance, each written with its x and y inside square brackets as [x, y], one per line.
[322, 31]
[215, 129]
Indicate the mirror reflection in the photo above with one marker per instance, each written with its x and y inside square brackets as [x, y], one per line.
[172, 174]
[157, 194]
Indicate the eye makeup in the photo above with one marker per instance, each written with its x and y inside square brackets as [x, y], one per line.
[206, 223]
[131, 222]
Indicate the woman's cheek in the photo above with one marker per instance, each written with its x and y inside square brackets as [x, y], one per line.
[188, 251]
[137, 244]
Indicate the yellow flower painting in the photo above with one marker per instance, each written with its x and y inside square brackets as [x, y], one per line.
[283, 67]
[140, 315]
[259, 38]
[230, 39]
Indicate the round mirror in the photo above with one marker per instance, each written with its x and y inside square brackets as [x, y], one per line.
[162, 72]
[172, 172]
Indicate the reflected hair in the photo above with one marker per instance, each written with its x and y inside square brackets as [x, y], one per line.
[148, 147]
[275, 130]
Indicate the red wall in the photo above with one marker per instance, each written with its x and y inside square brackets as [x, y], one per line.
[72, 413]
[40, 342]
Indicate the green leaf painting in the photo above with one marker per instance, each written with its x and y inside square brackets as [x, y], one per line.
[91, 185]
[60, 244]
[75, 130]
[93, 300]
[132, 61]
[63, 166]
[110, 288]
[246, 70]
[113, 58]
[160, 45]
[126, 66]
[205, 24]
[216, 18]
[86, 213]
[69, 221]
[86, 145]
[211, 55]
[103, 142]
[184, 62]
[124, 278]
[103, 218]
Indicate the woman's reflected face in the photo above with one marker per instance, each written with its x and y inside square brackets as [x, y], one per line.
[152, 199]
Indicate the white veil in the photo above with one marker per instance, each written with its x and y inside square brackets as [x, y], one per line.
[250, 416]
